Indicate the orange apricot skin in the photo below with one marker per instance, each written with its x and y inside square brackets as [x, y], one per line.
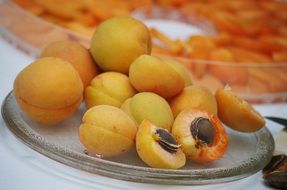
[77, 55]
[196, 97]
[237, 113]
[44, 100]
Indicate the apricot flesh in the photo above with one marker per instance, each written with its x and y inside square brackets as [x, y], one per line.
[237, 113]
[152, 153]
[148, 105]
[152, 74]
[195, 97]
[201, 135]
[109, 88]
[48, 90]
[118, 41]
[77, 55]
[107, 131]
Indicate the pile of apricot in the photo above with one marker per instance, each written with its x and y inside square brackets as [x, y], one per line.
[133, 99]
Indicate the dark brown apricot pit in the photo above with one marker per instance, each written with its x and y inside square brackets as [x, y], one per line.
[166, 140]
[202, 130]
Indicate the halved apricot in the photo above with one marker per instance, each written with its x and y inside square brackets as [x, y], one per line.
[201, 135]
[157, 147]
[228, 74]
[237, 113]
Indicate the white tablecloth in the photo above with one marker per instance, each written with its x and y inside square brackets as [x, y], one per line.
[23, 168]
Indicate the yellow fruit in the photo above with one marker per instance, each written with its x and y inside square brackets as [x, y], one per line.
[194, 97]
[182, 71]
[147, 105]
[157, 148]
[75, 54]
[48, 90]
[109, 88]
[107, 131]
[237, 113]
[201, 135]
[152, 74]
[118, 41]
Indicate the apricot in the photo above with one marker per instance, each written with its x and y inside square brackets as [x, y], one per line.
[275, 80]
[147, 105]
[200, 47]
[152, 74]
[227, 71]
[48, 90]
[246, 56]
[181, 69]
[196, 97]
[209, 81]
[75, 54]
[237, 113]
[109, 88]
[118, 41]
[107, 131]
[201, 135]
[279, 56]
[158, 148]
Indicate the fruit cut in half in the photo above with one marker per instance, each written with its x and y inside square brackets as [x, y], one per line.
[158, 148]
[237, 113]
[201, 135]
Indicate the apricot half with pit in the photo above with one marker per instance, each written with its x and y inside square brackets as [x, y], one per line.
[237, 113]
[158, 148]
[77, 55]
[148, 105]
[152, 74]
[109, 88]
[48, 90]
[118, 41]
[201, 135]
[107, 131]
[194, 96]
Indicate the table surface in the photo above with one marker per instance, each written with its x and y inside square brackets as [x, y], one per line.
[23, 168]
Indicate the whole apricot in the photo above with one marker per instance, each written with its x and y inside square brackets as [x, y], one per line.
[152, 74]
[77, 55]
[148, 105]
[182, 71]
[237, 113]
[107, 131]
[110, 88]
[118, 41]
[48, 90]
[195, 97]
[158, 148]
